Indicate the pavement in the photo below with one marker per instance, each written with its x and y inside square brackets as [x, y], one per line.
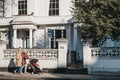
[57, 76]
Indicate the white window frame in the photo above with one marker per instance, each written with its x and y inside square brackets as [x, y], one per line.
[22, 7]
[77, 3]
[54, 8]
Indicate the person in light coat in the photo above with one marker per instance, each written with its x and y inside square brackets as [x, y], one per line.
[19, 60]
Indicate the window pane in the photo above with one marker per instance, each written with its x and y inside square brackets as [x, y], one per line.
[25, 6]
[19, 12]
[53, 0]
[53, 12]
[64, 33]
[22, 11]
[22, 7]
[57, 0]
[50, 12]
[57, 5]
[25, 11]
[58, 34]
[54, 8]
[25, 1]
[77, 3]
[22, 2]
[57, 12]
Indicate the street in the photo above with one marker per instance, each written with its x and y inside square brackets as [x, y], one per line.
[56, 76]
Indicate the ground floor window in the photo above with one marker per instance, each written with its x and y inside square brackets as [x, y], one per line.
[56, 34]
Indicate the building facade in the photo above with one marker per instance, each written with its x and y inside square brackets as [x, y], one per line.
[38, 23]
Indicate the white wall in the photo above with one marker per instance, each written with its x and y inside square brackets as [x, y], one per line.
[2, 47]
[43, 63]
[97, 64]
[64, 7]
[31, 6]
[59, 62]
[8, 8]
[39, 38]
[15, 7]
[41, 7]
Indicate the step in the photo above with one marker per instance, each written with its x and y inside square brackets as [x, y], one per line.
[76, 71]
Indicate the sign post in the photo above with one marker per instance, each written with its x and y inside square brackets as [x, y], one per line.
[50, 36]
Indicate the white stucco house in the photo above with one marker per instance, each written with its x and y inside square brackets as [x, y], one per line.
[37, 24]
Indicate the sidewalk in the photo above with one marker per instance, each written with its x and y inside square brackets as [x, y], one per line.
[55, 76]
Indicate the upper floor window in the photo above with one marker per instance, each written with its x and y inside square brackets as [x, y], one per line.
[54, 8]
[2, 8]
[77, 3]
[22, 7]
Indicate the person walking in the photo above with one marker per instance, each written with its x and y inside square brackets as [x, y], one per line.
[18, 60]
[25, 61]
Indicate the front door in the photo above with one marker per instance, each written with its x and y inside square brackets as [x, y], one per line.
[26, 39]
